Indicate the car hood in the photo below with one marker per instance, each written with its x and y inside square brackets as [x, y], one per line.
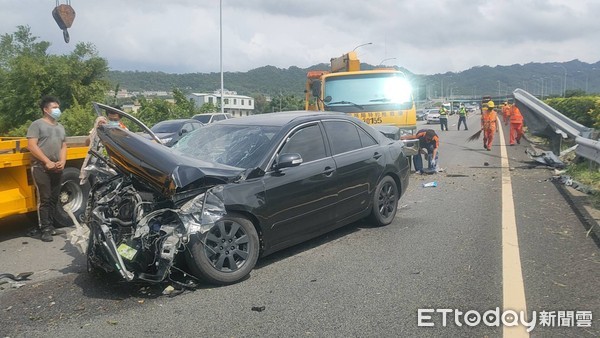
[165, 135]
[160, 167]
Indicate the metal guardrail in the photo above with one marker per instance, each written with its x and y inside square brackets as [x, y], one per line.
[561, 125]
[589, 149]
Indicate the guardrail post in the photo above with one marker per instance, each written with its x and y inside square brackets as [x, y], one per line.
[556, 143]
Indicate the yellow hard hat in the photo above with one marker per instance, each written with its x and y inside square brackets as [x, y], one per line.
[490, 104]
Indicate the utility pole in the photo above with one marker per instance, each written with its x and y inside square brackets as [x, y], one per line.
[221, 54]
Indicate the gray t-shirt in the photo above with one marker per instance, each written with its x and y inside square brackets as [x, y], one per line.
[50, 138]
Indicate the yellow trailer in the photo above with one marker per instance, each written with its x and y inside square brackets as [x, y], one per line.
[17, 190]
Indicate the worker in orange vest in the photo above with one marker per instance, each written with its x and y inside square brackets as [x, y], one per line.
[489, 120]
[505, 112]
[516, 124]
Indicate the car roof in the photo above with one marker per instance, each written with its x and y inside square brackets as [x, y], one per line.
[281, 118]
[179, 121]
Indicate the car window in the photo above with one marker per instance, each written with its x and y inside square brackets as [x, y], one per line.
[204, 118]
[218, 117]
[308, 142]
[196, 125]
[343, 136]
[228, 116]
[365, 139]
[166, 127]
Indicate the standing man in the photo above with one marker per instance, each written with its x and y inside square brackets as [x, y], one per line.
[516, 124]
[462, 116]
[429, 142]
[489, 121]
[443, 117]
[46, 142]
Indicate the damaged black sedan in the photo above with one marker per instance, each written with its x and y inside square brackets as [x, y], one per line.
[232, 191]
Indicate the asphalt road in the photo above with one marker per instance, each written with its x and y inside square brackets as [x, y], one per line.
[443, 251]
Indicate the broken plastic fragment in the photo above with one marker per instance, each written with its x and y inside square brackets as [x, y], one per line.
[430, 184]
[168, 290]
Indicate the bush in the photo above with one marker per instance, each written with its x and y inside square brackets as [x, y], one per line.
[581, 109]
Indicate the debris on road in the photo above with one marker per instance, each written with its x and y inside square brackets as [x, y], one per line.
[430, 184]
[20, 277]
[544, 157]
[258, 308]
[168, 290]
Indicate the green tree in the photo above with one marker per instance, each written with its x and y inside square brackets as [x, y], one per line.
[286, 103]
[155, 110]
[261, 105]
[207, 108]
[28, 72]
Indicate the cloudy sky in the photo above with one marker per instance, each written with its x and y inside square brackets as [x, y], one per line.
[424, 36]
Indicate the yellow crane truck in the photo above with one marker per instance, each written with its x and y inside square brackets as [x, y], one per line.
[382, 96]
[17, 190]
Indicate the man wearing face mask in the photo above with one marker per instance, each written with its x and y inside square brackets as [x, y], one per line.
[112, 119]
[46, 142]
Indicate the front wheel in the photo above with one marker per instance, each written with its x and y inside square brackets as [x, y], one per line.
[226, 253]
[385, 202]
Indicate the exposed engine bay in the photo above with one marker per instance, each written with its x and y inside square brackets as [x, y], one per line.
[138, 232]
[140, 237]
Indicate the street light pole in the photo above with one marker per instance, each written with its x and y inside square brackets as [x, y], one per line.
[382, 61]
[221, 54]
[498, 89]
[364, 44]
[565, 79]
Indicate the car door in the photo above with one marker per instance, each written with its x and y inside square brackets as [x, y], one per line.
[359, 163]
[302, 199]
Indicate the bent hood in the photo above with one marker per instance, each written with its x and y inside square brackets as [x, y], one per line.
[162, 168]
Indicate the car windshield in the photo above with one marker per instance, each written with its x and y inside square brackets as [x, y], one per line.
[203, 118]
[369, 90]
[167, 127]
[241, 146]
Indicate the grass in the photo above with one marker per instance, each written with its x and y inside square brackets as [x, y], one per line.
[590, 176]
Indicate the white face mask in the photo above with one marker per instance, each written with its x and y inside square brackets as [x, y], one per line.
[55, 113]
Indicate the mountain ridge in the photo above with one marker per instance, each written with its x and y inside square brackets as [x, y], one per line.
[539, 78]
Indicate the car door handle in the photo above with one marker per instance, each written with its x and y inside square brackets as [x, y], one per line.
[328, 171]
[376, 155]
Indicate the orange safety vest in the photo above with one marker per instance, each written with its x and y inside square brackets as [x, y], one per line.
[488, 120]
[515, 115]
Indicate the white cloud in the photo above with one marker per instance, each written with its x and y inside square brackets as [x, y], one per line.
[427, 37]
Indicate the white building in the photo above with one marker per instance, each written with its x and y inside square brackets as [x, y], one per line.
[234, 104]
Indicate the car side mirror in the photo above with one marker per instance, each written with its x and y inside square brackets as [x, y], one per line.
[183, 131]
[287, 161]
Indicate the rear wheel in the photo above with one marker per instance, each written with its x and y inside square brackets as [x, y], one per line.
[385, 202]
[226, 253]
[73, 196]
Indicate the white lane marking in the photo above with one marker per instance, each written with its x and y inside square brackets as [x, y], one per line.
[513, 289]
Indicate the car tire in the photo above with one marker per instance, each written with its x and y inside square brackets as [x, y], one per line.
[385, 202]
[73, 196]
[218, 264]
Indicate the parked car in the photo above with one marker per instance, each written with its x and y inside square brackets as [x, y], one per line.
[210, 118]
[239, 189]
[170, 131]
[433, 116]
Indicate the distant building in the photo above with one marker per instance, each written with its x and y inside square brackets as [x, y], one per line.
[234, 104]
